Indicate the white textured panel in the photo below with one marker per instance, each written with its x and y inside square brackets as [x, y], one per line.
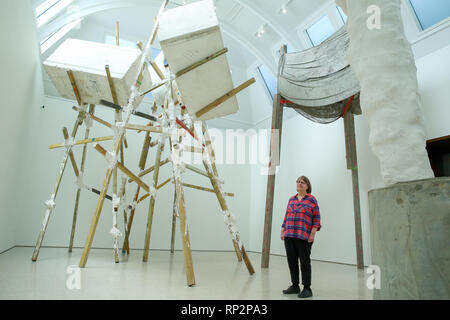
[382, 59]
[87, 60]
[187, 35]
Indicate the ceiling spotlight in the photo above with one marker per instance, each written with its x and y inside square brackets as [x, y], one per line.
[260, 32]
[283, 9]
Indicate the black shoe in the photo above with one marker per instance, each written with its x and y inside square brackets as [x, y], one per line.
[291, 290]
[306, 293]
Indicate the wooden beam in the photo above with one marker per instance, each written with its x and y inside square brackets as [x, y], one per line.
[101, 121]
[275, 149]
[99, 139]
[74, 87]
[224, 98]
[192, 186]
[240, 251]
[77, 198]
[72, 157]
[153, 88]
[125, 170]
[157, 70]
[117, 34]
[143, 128]
[196, 170]
[147, 171]
[352, 164]
[142, 160]
[49, 211]
[201, 62]
[157, 188]
[112, 88]
[151, 208]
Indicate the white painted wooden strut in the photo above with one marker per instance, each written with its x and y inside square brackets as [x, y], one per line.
[178, 168]
[51, 202]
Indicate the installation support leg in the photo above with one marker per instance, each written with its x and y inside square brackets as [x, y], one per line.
[215, 173]
[151, 207]
[222, 201]
[275, 148]
[174, 223]
[142, 161]
[352, 164]
[83, 160]
[37, 248]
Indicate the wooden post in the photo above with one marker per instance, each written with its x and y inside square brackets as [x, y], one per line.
[224, 98]
[117, 34]
[49, 211]
[142, 160]
[74, 87]
[201, 62]
[151, 207]
[174, 210]
[99, 139]
[174, 222]
[240, 251]
[77, 199]
[352, 164]
[275, 151]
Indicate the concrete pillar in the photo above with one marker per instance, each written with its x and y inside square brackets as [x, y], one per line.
[410, 235]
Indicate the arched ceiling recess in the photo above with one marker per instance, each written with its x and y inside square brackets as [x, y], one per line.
[273, 22]
[85, 8]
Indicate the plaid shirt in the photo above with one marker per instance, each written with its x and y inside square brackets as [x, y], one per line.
[301, 216]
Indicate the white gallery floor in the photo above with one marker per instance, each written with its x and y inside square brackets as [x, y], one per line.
[218, 275]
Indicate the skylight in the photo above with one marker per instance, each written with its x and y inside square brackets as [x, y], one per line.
[320, 30]
[430, 12]
[342, 14]
[55, 37]
[269, 80]
[48, 9]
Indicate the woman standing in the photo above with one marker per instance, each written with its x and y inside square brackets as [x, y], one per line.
[301, 222]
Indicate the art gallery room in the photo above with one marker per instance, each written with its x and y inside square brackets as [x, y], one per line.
[263, 150]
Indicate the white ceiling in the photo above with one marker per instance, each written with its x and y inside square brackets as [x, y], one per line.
[240, 20]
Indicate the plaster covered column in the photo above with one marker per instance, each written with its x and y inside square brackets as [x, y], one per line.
[409, 219]
[382, 59]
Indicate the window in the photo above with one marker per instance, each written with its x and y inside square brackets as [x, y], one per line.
[50, 40]
[269, 80]
[49, 9]
[342, 14]
[155, 53]
[430, 12]
[320, 30]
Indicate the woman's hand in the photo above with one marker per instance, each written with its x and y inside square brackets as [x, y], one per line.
[312, 235]
[282, 234]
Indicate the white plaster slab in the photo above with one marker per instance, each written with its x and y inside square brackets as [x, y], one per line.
[188, 34]
[87, 60]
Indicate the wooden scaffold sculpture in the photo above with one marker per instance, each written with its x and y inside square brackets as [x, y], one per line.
[191, 64]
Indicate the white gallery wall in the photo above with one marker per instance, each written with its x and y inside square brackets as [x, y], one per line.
[21, 91]
[29, 170]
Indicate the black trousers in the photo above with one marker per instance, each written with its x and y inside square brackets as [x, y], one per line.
[299, 249]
